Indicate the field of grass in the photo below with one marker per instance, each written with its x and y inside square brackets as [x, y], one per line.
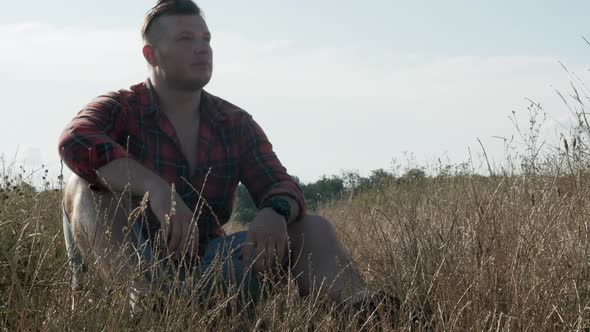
[471, 252]
[462, 252]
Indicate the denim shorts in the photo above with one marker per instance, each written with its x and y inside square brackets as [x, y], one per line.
[221, 263]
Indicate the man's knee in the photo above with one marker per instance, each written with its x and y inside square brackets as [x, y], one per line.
[79, 197]
[313, 228]
[90, 212]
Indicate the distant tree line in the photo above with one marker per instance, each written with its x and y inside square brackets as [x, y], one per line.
[330, 188]
[321, 192]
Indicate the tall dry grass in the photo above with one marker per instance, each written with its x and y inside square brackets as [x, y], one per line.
[477, 253]
[503, 253]
[464, 252]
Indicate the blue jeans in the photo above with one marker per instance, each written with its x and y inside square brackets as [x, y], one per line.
[222, 253]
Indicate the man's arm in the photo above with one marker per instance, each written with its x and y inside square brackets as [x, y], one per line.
[88, 146]
[90, 140]
[127, 174]
[261, 171]
[265, 177]
[294, 208]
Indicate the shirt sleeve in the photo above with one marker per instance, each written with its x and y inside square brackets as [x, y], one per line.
[261, 171]
[89, 141]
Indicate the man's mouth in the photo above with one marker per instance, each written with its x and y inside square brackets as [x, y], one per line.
[201, 64]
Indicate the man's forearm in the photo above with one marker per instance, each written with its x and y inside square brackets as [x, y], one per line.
[294, 207]
[127, 174]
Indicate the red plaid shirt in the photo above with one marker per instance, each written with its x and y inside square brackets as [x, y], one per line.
[232, 148]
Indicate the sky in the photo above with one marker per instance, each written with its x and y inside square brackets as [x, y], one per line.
[336, 85]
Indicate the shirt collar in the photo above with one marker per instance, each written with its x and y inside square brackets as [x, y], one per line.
[209, 107]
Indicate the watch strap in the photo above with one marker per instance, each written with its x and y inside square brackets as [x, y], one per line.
[280, 206]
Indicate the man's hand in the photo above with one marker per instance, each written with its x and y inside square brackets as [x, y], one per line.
[266, 242]
[127, 174]
[181, 231]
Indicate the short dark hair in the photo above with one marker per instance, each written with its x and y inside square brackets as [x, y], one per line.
[166, 8]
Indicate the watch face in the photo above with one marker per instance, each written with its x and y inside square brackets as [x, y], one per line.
[282, 207]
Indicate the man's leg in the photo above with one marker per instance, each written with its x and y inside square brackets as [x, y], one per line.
[318, 259]
[74, 255]
[99, 225]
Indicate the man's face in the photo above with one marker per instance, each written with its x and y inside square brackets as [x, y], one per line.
[182, 50]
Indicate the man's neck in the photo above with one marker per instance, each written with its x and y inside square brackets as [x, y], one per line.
[177, 104]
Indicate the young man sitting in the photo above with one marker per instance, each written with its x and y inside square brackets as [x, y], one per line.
[173, 140]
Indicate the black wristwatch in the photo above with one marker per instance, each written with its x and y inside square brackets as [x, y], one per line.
[280, 205]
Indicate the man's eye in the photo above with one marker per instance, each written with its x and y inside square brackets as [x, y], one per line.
[185, 38]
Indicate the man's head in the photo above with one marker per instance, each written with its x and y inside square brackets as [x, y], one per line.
[177, 44]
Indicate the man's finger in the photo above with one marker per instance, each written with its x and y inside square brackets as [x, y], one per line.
[187, 235]
[179, 239]
[175, 240]
[186, 240]
[271, 255]
[183, 248]
[247, 251]
[281, 250]
[194, 247]
[259, 257]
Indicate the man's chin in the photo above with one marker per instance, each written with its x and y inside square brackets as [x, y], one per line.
[190, 85]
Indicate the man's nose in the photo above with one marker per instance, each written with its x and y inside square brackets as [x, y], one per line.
[201, 51]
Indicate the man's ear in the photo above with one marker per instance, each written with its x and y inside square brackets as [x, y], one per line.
[149, 54]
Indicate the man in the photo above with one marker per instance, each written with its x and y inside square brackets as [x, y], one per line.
[188, 150]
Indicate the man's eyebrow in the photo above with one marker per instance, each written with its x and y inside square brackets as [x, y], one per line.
[206, 34]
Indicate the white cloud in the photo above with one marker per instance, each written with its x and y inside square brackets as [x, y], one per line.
[325, 109]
